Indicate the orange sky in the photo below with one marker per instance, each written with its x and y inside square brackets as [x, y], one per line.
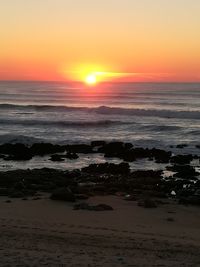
[143, 40]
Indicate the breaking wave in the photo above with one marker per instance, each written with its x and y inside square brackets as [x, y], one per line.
[87, 124]
[163, 113]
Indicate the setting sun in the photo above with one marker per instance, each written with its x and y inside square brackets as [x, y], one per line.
[91, 79]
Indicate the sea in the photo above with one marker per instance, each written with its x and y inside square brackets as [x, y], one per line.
[161, 115]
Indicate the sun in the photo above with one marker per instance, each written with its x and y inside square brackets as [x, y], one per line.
[91, 79]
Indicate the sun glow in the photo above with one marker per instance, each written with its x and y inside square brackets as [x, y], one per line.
[92, 74]
[91, 79]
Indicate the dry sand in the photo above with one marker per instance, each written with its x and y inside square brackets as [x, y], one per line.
[49, 233]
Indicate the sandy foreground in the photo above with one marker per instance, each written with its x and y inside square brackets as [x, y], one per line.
[50, 233]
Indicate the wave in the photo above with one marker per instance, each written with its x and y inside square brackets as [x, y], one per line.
[87, 124]
[163, 113]
[161, 128]
[13, 139]
[194, 132]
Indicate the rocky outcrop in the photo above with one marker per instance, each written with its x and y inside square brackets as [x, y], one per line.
[64, 194]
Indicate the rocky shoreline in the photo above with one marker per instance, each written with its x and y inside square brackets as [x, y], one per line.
[143, 186]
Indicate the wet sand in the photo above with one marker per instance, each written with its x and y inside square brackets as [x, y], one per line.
[50, 233]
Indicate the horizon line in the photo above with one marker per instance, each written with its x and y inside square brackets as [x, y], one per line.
[103, 82]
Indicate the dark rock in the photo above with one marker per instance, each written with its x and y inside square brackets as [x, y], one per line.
[71, 155]
[16, 194]
[192, 200]
[14, 149]
[80, 148]
[56, 157]
[170, 219]
[99, 207]
[36, 198]
[15, 152]
[42, 149]
[64, 194]
[161, 156]
[147, 203]
[122, 168]
[102, 207]
[128, 146]
[97, 143]
[181, 159]
[81, 196]
[140, 152]
[181, 145]
[113, 149]
[130, 198]
[128, 156]
[19, 185]
[81, 206]
[183, 171]
[18, 157]
[4, 191]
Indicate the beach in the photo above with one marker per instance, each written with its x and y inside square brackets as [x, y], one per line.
[47, 233]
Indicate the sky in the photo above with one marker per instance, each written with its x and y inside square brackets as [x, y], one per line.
[130, 40]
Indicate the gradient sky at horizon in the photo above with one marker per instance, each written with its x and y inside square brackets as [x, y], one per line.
[155, 40]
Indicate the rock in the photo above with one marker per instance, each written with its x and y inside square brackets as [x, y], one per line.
[98, 143]
[112, 147]
[128, 146]
[128, 156]
[181, 145]
[170, 219]
[79, 148]
[42, 149]
[13, 149]
[64, 194]
[19, 185]
[161, 156]
[122, 168]
[81, 206]
[71, 155]
[99, 207]
[130, 197]
[81, 196]
[16, 194]
[102, 207]
[4, 191]
[181, 159]
[183, 171]
[15, 152]
[192, 200]
[140, 152]
[36, 198]
[56, 157]
[147, 203]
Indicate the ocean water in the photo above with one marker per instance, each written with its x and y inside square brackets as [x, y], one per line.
[146, 114]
